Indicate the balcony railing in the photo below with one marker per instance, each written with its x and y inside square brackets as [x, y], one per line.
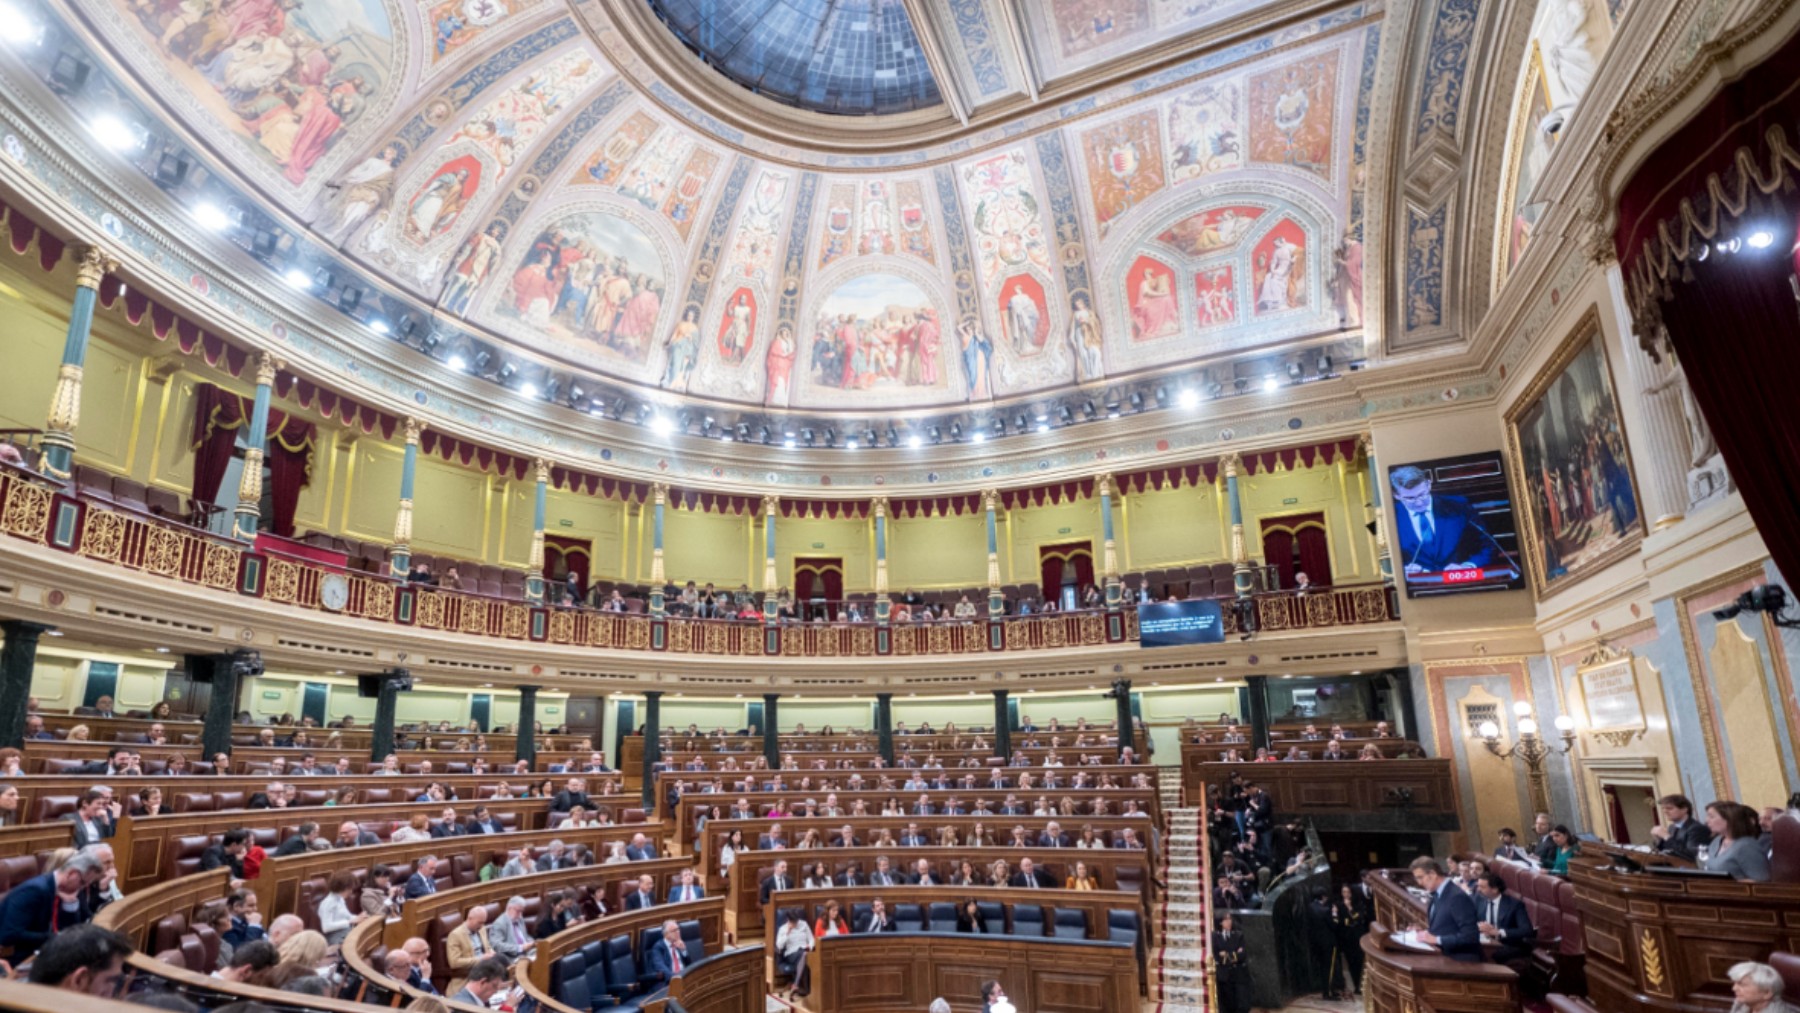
[37, 510]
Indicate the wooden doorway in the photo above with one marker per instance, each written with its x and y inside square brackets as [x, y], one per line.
[563, 556]
[1066, 569]
[818, 584]
[1295, 543]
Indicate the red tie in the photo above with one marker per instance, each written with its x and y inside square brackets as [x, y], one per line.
[676, 954]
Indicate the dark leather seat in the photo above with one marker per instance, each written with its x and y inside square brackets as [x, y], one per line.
[569, 981]
[940, 916]
[993, 916]
[1068, 923]
[909, 918]
[622, 983]
[1027, 920]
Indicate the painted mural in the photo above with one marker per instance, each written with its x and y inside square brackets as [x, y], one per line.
[470, 267]
[1207, 232]
[874, 217]
[1278, 269]
[1215, 297]
[592, 280]
[839, 236]
[876, 332]
[1291, 112]
[1124, 161]
[1086, 25]
[1206, 131]
[649, 176]
[508, 124]
[682, 205]
[1072, 35]
[1150, 293]
[1531, 148]
[435, 207]
[1009, 230]
[754, 246]
[607, 165]
[293, 77]
[1024, 315]
[455, 24]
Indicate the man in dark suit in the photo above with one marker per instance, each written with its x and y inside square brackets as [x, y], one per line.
[1052, 836]
[1031, 877]
[686, 888]
[923, 807]
[92, 818]
[876, 920]
[485, 823]
[1437, 533]
[922, 874]
[423, 881]
[884, 875]
[1453, 925]
[229, 852]
[778, 880]
[1503, 918]
[851, 876]
[912, 837]
[1509, 846]
[351, 835]
[485, 978]
[32, 911]
[574, 794]
[300, 842]
[1545, 848]
[640, 849]
[447, 826]
[669, 957]
[645, 894]
[1680, 834]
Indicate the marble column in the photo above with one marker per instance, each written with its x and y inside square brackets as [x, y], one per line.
[652, 746]
[1384, 559]
[658, 574]
[771, 734]
[1242, 579]
[884, 726]
[534, 565]
[1109, 549]
[771, 506]
[65, 403]
[248, 515]
[1002, 725]
[221, 707]
[990, 502]
[400, 555]
[525, 744]
[18, 657]
[883, 605]
[1121, 691]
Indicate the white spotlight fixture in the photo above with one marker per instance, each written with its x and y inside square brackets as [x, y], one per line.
[1761, 238]
[115, 133]
[1189, 398]
[379, 326]
[1043, 427]
[788, 443]
[915, 441]
[1271, 384]
[210, 216]
[849, 444]
[528, 389]
[661, 425]
[978, 437]
[458, 362]
[18, 28]
[297, 278]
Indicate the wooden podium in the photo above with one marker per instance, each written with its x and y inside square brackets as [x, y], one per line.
[1397, 979]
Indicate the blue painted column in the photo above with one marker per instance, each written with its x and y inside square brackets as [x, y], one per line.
[771, 506]
[1240, 557]
[658, 577]
[1383, 559]
[65, 404]
[248, 515]
[540, 509]
[1109, 547]
[400, 556]
[990, 501]
[883, 606]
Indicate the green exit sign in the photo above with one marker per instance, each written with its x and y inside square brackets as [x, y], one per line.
[558, 710]
[1290, 501]
[570, 524]
[1064, 531]
[275, 694]
[821, 545]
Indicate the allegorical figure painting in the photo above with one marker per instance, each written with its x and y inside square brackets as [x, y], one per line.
[877, 331]
[589, 279]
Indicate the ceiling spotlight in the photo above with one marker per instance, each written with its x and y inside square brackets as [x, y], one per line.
[1019, 422]
[661, 424]
[456, 361]
[406, 325]
[955, 431]
[171, 166]
[482, 359]
[210, 216]
[1217, 389]
[788, 443]
[379, 326]
[115, 133]
[17, 28]
[322, 279]
[1162, 395]
[743, 432]
[1137, 400]
[1112, 409]
[1761, 238]
[764, 435]
[1271, 384]
[978, 436]
[349, 298]
[936, 433]
[506, 372]
[1324, 364]
[1087, 409]
[1043, 427]
[528, 389]
[1000, 425]
[1066, 415]
[893, 436]
[1242, 384]
[850, 444]
[869, 437]
[830, 436]
[576, 395]
[297, 278]
[1188, 398]
[1294, 371]
[806, 436]
[551, 389]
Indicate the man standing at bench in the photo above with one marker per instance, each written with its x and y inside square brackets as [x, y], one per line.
[1451, 914]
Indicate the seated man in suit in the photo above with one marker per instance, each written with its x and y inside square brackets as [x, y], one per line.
[92, 819]
[1545, 848]
[686, 888]
[424, 878]
[778, 880]
[486, 977]
[1503, 918]
[923, 807]
[876, 920]
[574, 794]
[885, 876]
[913, 837]
[509, 935]
[32, 911]
[669, 957]
[1128, 839]
[468, 944]
[645, 894]
[1680, 835]
[1031, 877]
[484, 822]
[1437, 532]
[640, 849]
[229, 853]
[246, 922]
[1453, 924]
[922, 874]
[447, 825]
[350, 835]
[851, 876]
[1052, 836]
[300, 842]
[1508, 847]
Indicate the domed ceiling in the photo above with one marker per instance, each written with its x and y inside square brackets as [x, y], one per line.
[1100, 189]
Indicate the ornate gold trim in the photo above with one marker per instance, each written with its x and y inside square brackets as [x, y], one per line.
[1700, 678]
[93, 265]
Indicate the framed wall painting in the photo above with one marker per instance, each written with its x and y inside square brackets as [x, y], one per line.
[1526, 158]
[1571, 465]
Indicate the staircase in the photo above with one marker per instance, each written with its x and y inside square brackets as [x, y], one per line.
[1182, 924]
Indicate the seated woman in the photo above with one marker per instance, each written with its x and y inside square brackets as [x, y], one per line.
[1735, 847]
[1082, 879]
[791, 946]
[968, 917]
[1566, 848]
[831, 923]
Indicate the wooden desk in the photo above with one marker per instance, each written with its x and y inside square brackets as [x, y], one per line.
[902, 973]
[1399, 980]
[1393, 796]
[710, 913]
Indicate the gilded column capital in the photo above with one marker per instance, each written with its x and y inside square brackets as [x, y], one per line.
[541, 467]
[414, 429]
[990, 499]
[93, 263]
[1365, 445]
[771, 505]
[1229, 465]
[659, 493]
[879, 506]
[1103, 484]
[267, 365]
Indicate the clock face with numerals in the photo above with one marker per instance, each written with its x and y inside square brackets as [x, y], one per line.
[334, 591]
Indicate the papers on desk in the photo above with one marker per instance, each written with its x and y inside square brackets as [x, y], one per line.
[1410, 940]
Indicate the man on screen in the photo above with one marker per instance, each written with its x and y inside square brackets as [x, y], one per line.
[1436, 532]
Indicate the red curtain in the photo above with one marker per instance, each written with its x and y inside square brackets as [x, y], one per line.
[217, 416]
[1064, 563]
[1315, 555]
[563, 556]
[818, 578]
[1278, 551]
[1304, 534]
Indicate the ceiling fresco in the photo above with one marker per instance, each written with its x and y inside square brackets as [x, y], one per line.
[495, 161]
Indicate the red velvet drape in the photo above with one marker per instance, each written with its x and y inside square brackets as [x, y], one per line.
[1301, 534]
[217, 416]
[1065, 562]
[563, 556]
[1315, 555]
[1278, 552]
[818, 578]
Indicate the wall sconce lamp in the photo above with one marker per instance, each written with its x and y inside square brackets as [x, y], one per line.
[1531, 747]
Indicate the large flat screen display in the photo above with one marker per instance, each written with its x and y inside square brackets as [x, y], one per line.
[1453, 526]
[1179, 623]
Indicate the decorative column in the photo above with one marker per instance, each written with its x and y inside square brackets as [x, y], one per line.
[770, 735]
[1240, 557]
[883, 606]
[221, 707]
[534, 566]
[400, 556]
[1121, 692]
[990, 502]
[1383, 559]
[771, 506]
[1002, 726]
[65, 404]
[525, 745]
[387, 699]
[884, 726]
[1257, 687]
[18, 656]
[1109, 548]
[652, 745]
[659, 503]
[250, 484]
